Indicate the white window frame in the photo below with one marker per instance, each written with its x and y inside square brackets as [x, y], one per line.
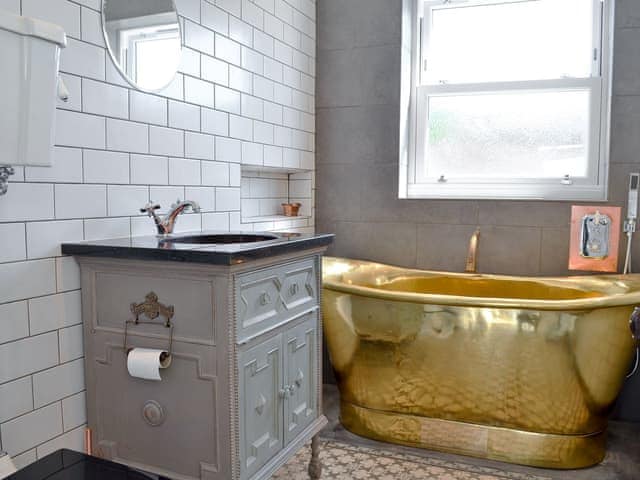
[415, 95]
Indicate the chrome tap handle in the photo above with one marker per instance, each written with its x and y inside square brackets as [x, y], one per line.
[149, 208]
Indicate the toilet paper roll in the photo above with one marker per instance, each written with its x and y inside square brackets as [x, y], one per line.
[146, 363]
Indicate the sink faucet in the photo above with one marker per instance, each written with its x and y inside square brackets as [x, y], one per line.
[472, 255]
[165, 225]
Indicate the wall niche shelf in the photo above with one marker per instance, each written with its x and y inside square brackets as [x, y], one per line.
[282, 170]
[273, 218]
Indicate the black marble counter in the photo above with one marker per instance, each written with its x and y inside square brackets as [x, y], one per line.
[70, 465]
[163, 249]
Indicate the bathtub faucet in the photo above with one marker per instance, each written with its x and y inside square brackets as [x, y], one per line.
[472, 255]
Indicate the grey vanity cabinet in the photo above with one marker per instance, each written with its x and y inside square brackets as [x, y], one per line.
[278, 388]
[242, 394]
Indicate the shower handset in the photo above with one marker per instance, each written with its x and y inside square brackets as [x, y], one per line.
[632, 204]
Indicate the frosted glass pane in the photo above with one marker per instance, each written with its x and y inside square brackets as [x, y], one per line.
[529, 40]
[156, 59]
[515, 135]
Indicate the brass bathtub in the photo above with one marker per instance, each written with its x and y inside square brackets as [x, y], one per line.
[522, 370]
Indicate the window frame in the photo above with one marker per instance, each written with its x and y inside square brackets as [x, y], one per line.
[415, 94]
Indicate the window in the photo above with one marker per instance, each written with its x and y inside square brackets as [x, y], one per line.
[150, 53]
[508, 99]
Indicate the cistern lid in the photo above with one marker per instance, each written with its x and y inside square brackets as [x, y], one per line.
[32, 27]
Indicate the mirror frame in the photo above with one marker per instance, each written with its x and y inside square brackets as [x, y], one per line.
[116, 63]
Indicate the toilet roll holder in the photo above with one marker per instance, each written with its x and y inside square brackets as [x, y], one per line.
[151, 308]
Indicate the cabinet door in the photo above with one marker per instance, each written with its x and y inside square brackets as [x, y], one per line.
[260, 378]
[301, 358]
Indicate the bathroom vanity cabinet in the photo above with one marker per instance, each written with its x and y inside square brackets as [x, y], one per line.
[243, 391]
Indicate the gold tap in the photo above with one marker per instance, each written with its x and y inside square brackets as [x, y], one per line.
[472, 255]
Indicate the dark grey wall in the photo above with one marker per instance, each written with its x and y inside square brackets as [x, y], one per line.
[357, 101]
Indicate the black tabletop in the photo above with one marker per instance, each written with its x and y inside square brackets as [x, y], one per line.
[161, 248]
[70, 465]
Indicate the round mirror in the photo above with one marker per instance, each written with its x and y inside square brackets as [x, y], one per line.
[144, 40]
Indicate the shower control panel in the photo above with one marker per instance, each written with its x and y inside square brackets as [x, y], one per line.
[595, 238]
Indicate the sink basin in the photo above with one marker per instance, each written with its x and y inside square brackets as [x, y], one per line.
[220, 239]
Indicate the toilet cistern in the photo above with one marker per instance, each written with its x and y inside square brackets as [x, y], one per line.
[30, 52]
[166, 225]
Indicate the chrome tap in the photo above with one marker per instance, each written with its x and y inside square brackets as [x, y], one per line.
[165, 225]
[471, 265]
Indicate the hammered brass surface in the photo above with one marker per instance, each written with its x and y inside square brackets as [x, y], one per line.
[534, 355]
[502, 444]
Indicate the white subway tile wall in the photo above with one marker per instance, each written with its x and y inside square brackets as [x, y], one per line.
[243, 98]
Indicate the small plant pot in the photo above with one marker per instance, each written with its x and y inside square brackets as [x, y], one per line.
[291, 209]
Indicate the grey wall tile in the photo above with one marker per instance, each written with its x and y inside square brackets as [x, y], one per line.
[363, 134]
[358, 23]
[509, 250]
[625, 125]
[359, 76]
[537, 214]
[380, 202]
[626, 65]
[443, 247]
[627, 13]
[338, 191]
[554, 251]
[392, 243]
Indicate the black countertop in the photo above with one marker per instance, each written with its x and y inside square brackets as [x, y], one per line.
[158, 248]
[70, 465]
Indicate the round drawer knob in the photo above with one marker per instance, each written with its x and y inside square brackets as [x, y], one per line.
[153, 413]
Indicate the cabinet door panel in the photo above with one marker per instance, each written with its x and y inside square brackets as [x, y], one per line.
[301, 357]
[260, 406]
[146, 423]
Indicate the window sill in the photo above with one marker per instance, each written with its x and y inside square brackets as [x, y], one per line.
[577, 193]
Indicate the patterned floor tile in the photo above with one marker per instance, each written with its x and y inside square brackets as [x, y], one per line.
[349, 462]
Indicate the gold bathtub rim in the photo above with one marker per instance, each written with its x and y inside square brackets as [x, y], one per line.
[597, 290]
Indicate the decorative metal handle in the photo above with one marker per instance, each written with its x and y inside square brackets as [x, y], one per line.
[265, 299]
[286, 391]
[293, 290]
[634, 324]
[150, 207]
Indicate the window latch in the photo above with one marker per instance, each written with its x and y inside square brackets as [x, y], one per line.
[566, 180]
[442, 179]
